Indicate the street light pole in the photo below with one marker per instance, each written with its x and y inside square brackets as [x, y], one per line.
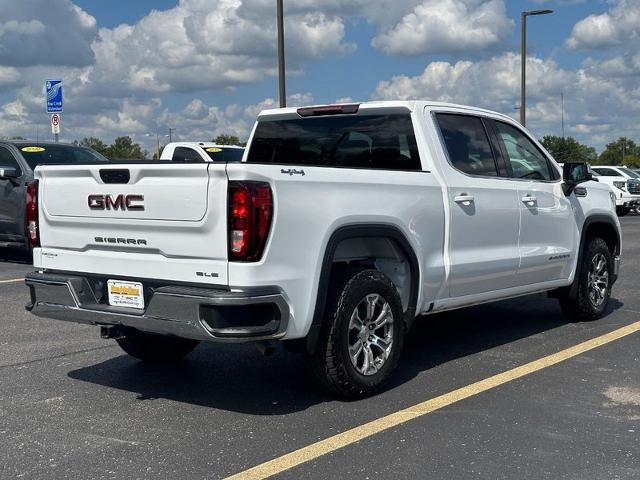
[523, 69]
[170, 134]
[523, 46]
[281, 65]
[562, 101]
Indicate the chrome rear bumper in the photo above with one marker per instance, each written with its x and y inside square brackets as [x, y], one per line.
[188, 312]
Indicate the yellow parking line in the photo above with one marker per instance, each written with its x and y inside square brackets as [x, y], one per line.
[341, 440]
[14, 280]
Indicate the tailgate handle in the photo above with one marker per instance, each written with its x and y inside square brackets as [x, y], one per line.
[115, 176]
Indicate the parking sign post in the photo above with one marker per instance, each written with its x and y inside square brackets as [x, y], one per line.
[53, 98]
[55, 126]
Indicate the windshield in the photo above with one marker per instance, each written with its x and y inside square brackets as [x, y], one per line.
[629, 173]
[225, 155]
[59, 154]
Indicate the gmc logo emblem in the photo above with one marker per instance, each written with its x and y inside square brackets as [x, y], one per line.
[119, 202]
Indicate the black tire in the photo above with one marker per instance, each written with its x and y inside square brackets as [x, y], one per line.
[622, 211]
[588, 304]
[331, 364]
[149, 347]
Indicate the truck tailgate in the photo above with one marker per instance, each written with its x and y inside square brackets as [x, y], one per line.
[155, 221]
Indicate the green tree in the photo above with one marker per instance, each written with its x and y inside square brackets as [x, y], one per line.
[569, 149]
[227, 140]
[616, 153]
[632, 161]
[123, 148]
[94, 143]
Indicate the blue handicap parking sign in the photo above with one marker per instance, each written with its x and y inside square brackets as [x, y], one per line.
[54, 96]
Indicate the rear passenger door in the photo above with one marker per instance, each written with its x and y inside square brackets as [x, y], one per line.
[548, 231]
[484, 208]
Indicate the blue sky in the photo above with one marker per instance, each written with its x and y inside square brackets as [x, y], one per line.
[136, 68]
[341, 76]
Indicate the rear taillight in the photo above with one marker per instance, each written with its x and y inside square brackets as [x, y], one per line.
[31, 217]
[250, 213]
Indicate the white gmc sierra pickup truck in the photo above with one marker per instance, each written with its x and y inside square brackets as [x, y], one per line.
[341, 225]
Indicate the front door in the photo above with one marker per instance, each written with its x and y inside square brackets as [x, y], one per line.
[484, 210]
[548, 231]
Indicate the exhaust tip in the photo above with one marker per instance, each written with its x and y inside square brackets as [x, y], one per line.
[111, 332]
[266, 348]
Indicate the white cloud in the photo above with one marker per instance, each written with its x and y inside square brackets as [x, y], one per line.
[9, 77]
[446, 26]
[122, 80]
[45, 32]
[199, 45]
[561, 2]
[143, 119]
[594, 100]
[619, 26]
[494, 82]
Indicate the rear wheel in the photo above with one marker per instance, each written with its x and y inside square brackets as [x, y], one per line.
[594, 283]
[149, 347]
[362, 337]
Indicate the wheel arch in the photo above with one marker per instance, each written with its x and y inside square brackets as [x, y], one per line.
[601, 226]
[361, 231]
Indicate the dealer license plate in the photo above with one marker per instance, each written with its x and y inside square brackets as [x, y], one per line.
[125, 294]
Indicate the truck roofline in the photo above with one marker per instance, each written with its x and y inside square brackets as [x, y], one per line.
[203, 145]
[372, 106]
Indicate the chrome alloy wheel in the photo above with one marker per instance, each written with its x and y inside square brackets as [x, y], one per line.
[370, 334]
[598, 279]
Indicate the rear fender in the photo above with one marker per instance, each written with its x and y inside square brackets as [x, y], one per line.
[360, 231]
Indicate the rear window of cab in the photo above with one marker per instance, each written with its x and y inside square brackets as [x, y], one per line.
[59, 154]
[385, 142]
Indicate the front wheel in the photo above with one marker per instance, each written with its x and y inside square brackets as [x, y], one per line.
[622, 211]
[594, 283]
[149, 347]
[362, 337]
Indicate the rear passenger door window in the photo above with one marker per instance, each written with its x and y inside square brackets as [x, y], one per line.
[189, 155]
[606, 172]
[467, 144]
[526, 160]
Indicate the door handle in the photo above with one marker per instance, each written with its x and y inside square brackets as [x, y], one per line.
[529, 199]
[464, 198]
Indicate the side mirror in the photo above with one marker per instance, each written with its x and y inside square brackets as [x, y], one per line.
[573, 174]
[8, 173]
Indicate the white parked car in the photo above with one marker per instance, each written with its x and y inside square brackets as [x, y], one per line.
[625, 184]
[341, 226]
[199, 152]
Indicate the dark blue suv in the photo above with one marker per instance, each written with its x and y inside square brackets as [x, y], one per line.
[18, 160]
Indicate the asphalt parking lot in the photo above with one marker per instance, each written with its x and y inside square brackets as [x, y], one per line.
[74, 406]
